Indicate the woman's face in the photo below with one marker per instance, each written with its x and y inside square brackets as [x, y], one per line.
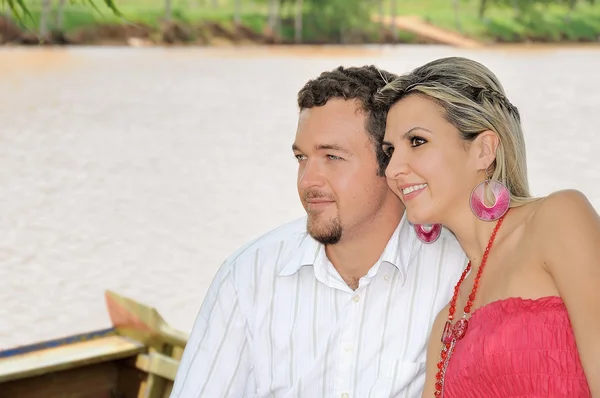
[432, 169]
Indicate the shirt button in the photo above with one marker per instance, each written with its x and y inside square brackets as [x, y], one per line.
[356, 298]
[387, 277]
[348, 348]
[345, 395]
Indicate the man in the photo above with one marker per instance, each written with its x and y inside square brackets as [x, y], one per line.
[339, 303]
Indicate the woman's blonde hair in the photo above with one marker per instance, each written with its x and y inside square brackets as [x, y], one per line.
[474, 101]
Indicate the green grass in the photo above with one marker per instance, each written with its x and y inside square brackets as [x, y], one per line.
[150, 13]
[547, 23]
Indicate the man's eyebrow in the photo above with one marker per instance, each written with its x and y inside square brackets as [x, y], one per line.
[324, 147]
[332, 147]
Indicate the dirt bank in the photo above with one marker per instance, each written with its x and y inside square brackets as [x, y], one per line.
[206, 33]
[211, 33]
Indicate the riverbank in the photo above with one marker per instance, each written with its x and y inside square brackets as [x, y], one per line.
[213, 26]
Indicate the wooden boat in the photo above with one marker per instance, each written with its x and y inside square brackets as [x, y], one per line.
[136, 358]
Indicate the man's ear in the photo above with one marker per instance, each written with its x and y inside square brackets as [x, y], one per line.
[485, 147]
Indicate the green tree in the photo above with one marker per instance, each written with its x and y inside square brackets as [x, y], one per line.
[524, 8]
[336, 20]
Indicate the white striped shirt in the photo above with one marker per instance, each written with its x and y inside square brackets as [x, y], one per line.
[279, 321]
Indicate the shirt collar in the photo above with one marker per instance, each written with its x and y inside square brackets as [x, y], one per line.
[309, 252]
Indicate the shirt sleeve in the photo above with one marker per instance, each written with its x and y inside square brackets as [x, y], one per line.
[216, 360]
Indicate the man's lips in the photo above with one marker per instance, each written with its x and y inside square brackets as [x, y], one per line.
[318, 203]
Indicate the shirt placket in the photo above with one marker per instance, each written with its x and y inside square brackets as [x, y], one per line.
[347, 346]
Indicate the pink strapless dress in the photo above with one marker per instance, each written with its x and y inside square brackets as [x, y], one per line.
[517, 348]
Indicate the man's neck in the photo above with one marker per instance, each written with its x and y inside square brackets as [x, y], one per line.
[356, 253]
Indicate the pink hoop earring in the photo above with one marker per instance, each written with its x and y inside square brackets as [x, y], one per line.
[428, 233]
[501, 200]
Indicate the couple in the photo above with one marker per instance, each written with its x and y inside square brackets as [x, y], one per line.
[342, 303]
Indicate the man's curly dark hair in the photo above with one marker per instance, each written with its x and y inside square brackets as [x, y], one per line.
[354, 83]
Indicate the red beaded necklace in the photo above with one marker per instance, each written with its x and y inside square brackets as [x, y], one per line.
[454, 333]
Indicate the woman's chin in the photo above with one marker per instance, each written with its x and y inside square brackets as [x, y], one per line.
[419, 219]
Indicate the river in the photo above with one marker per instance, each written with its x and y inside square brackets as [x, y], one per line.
[140, 169]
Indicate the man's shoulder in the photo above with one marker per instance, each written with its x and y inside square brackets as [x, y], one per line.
[285, 236]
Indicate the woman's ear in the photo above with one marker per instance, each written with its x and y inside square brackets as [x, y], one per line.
[485, 147]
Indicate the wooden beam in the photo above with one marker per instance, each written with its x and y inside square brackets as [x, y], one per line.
[140, 321]
[158, 364]
[68, 356]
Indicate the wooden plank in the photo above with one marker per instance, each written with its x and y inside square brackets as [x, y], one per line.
[152, 387]
[57, 342]
[158, 364]
[68, 356]
[161, 369]
[141, 322]
[93, 381]
[144, 323]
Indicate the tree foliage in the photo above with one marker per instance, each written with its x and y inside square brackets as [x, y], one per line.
[340, 21]
[526, 7]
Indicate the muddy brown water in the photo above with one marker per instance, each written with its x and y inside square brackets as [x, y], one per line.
[140, 170]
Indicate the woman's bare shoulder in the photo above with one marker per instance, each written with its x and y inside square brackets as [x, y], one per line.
[561, 209]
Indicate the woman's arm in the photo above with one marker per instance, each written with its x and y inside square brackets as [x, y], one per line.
[569, 234]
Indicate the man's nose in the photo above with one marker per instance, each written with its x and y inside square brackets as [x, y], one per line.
[311, 174]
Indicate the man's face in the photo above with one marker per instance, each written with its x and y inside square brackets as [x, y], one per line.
[337, 170]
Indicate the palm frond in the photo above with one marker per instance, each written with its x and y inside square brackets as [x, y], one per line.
[18, 8]
[22, 13]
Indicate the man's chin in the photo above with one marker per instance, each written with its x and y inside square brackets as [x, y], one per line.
[326, 239]
[327, 232]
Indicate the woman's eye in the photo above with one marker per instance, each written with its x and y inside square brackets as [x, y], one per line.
[417, 141]
[389, 151]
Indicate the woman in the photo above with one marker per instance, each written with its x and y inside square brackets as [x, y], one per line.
[525, 317]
